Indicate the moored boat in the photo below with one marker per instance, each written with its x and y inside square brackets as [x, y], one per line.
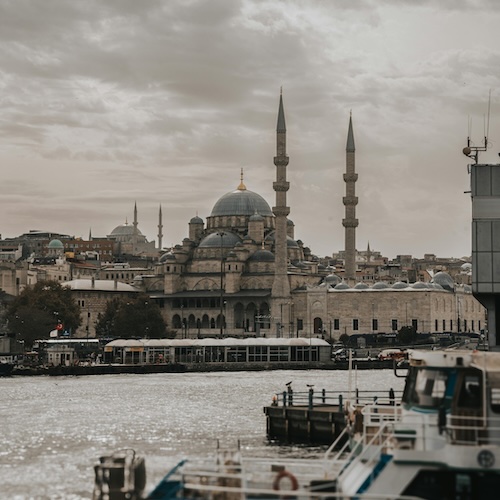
[441, 441]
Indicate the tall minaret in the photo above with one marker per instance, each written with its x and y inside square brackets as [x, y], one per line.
[160, 230]
[350, 201]
[136, 229]
[280, 308]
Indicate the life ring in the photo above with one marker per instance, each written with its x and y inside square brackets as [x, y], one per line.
[291, 478]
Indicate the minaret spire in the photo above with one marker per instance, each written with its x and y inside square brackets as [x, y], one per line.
[160, 230]
[350, 201]
[281, 286]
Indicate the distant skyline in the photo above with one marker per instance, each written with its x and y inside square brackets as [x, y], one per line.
[104, 104]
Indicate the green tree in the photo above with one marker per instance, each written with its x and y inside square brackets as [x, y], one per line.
[407, 335]
[344, 338]
[38, 309]
[133, 317]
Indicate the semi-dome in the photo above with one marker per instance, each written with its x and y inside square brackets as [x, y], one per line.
[445, 280]
[227, 240]
[241, 202]
[262, 256]
[290, 242]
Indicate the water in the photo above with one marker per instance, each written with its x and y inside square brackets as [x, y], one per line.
[53, 429]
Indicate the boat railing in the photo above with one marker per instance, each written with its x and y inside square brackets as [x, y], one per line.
[312, 397]
[262, 478]
[467, 428]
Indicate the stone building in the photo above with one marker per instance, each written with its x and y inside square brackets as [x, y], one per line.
[440, 306]
[92, 297]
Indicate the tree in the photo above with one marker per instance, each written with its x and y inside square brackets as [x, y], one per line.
[133, 317]
[39, 309]
[407, 335]
[344, 338]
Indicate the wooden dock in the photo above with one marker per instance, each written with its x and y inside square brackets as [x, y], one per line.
[311, 417]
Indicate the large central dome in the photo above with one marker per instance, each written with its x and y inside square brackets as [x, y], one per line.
[241, 202]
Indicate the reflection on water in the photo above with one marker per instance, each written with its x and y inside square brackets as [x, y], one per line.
[53, 429]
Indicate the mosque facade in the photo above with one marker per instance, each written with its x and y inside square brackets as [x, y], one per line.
[242, 272]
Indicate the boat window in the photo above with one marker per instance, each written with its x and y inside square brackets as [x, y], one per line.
[470, 392]
[495, 399]
[426, 388]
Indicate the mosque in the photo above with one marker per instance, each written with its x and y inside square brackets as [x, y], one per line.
[243, 273]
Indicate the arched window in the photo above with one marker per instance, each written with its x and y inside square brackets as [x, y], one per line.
[176, 321]
[318, 325]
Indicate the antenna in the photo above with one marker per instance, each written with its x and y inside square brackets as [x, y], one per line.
[473, 151]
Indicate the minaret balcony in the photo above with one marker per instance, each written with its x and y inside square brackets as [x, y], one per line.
[281, 161]
[350, 200]
[350, 177]
[350, 222]
[284, 211]
[281, 186]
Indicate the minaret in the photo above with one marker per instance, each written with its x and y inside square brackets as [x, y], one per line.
[350, 201]
[280, 308]
[135, 233]
[160, 230]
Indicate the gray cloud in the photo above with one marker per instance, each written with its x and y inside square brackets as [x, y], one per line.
[107, 103]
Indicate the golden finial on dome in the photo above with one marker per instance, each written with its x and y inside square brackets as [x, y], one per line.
[242, 186]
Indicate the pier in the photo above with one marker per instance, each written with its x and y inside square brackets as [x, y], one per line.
[316, 416]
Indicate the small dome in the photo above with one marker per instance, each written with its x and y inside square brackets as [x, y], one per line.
[445, 280]
[289, 222]
[256, 218]
[420, 285]
[380, 286]
[196, 220]
[342, 286]
[360, 286]
[227, 240]
[56, 245]
[167, 256]
[262, 256]
[399, 285]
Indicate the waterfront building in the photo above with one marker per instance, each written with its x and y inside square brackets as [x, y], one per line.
[92, 297]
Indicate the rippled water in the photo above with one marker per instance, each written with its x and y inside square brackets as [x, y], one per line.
[53, 429]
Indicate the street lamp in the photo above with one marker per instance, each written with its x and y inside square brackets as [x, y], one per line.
[221, 234]
[182, 320]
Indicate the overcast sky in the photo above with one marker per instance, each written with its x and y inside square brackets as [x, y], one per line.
[108, 102]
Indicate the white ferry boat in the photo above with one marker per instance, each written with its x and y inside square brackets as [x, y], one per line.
[441, 442]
